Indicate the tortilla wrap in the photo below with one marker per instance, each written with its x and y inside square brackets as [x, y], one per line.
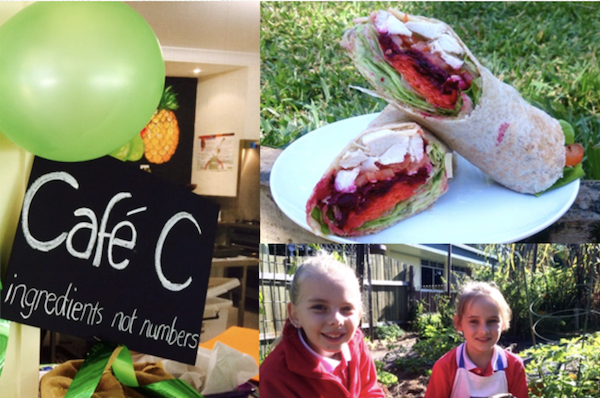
[513, 142]
[347, 207]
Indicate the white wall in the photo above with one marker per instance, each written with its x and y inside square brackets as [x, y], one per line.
[252, 123]
[226, 103]
[408, 260]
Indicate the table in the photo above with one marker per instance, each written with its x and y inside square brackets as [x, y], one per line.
[581, 223]
[238, 261]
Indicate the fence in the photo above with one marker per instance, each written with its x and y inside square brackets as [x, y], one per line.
[387, 298]
[428, 296]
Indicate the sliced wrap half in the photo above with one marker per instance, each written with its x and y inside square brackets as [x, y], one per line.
[392, 170]
[423, 68]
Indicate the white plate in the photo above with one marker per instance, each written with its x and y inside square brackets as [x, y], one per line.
[475, 209]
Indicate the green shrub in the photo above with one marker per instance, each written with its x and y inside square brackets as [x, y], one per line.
[441, 319]
[389, 331]
[434, 342]
[552, 286]
[384, 377]
[570, 368]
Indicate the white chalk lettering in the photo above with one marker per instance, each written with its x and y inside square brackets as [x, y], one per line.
[114, 241]
[34, 243]
[169, 334]
[102, 234]
[122, 235]
[53, 305]
[175, 287]
[97, 236]
[92, 226]
[124, 322]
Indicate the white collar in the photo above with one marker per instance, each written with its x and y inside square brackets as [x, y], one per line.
[469, 365]
[329, 363]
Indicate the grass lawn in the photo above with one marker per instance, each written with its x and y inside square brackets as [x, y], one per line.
[548, 51]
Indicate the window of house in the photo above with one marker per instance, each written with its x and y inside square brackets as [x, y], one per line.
[432, 274]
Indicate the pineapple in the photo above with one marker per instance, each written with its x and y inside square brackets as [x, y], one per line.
[161, 134]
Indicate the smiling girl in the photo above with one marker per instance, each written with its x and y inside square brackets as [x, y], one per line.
[479, 367]
[322, 352]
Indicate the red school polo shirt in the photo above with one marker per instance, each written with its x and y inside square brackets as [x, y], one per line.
[290, 371]
[442, 377]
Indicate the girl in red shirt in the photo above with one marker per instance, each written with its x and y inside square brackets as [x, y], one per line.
[479, 367]
[322, 352]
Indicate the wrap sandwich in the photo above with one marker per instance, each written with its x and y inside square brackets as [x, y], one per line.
[421, 66]
[392, 170]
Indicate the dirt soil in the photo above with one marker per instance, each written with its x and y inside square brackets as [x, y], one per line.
[410, 385]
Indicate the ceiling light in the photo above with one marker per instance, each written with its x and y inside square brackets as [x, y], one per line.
[196, 71]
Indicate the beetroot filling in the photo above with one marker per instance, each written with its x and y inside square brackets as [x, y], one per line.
[362, 197]
[434, 74]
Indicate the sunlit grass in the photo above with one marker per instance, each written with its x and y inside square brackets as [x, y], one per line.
[548, 51]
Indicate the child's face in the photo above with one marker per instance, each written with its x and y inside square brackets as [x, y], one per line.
[327, 312]
[481, 325]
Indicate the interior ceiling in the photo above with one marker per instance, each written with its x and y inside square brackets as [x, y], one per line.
[231, 26]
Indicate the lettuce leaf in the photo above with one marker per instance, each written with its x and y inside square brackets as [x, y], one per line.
[318, 216]
[568, 131]
[570, 174]
[425, 196]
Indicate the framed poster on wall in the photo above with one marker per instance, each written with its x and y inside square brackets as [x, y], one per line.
[215, 163]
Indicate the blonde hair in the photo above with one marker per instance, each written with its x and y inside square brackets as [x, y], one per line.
[325, 265]
[472, 290]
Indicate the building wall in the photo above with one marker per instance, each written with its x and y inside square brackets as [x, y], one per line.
[409, 260]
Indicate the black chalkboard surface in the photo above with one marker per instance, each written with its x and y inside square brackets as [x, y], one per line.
[108, 251]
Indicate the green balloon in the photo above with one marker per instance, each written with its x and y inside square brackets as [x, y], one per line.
[77, 79]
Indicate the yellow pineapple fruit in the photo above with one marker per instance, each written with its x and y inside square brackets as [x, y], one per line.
[161, 134]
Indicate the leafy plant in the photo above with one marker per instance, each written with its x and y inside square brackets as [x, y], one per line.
[434, 344]
[389, 331]
[261, 300]
[444, 318]
[437, 336]
[384, 377]
[546, 279]
[570, 368]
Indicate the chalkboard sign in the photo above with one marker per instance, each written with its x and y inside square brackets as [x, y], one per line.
[108, 251]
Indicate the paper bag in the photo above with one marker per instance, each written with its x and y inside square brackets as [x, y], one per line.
[219, 370]
[227, 369]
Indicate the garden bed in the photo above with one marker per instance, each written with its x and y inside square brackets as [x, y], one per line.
[410, 384]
